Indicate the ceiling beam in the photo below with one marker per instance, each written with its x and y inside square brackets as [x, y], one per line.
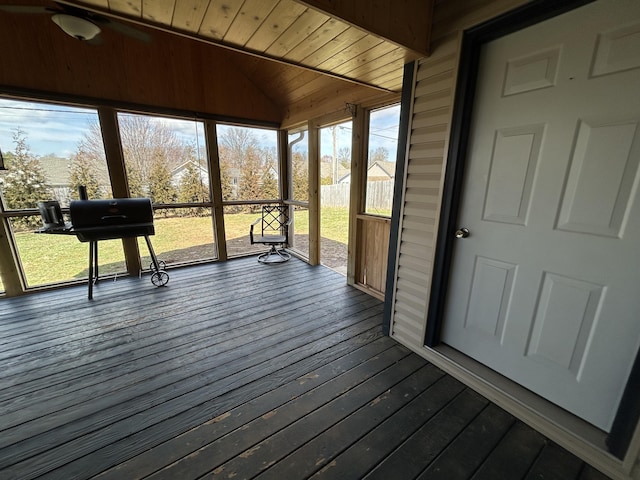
[407, 23]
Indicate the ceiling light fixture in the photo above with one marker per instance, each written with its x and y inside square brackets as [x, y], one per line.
[76, 27]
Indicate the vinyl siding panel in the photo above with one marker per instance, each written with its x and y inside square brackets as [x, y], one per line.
[422, 192]
[434, 89]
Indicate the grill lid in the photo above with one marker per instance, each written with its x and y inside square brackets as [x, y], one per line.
[109, 219]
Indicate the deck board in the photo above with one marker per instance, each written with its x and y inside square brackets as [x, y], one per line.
[240, 370]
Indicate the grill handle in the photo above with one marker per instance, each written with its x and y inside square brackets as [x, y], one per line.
[114, 217]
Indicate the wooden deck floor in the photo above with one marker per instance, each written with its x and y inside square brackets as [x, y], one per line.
[241, 370]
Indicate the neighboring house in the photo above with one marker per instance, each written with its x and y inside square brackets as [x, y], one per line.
[379, 171]
[326, 171]
[57, 171]
[274, 172]
[235, 175]
[179, 172]
[234, 179]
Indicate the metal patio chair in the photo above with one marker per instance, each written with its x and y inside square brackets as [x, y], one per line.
[274, 232]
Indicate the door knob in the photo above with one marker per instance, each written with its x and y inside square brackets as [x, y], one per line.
[462, 233]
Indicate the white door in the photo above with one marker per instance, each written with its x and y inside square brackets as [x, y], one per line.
[546, 288]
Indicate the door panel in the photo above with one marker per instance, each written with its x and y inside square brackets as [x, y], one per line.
[489, 297]
[545, 288]
[597, 196]
[511, 172]
[564, 320]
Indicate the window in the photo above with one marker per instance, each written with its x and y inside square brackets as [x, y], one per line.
[299, 190]
[299, 166]
[381, 165]
[165, 160]
[49, 150]
[335, 180]
[250, 178]
[248, 163]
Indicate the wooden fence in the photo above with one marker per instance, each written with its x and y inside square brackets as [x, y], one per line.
[379, 195]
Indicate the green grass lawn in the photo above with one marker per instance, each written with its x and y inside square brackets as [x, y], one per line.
[56, 258]
[334, 224]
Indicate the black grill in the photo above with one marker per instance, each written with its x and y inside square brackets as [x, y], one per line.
[95, 220]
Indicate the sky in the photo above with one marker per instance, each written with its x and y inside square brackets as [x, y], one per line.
[383, 132]
[57, 129]
[49, 128]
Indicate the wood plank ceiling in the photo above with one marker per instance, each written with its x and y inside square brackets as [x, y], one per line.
[308, 57]
[294, 32]
[363, 42]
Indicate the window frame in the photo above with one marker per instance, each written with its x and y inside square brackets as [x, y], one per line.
[14, 279]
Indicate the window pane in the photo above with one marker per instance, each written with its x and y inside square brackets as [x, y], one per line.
[248, 163]
[237, 223]
[301, 231]
[58, 258]
[49, 150]
[166, 161]
[165, 158]
[335, 177]
[299, 190]
[383, 148]
[183, 236]
[299, 145]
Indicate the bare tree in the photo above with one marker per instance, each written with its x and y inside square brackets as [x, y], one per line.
[236, 142]
[148, 146]
[344, 157]
[380, 154]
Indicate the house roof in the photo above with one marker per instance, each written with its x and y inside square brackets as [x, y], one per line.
[380, 170]
[56, 170]
[386, 168]
[326, 170]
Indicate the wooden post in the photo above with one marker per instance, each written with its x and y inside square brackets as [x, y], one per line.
[357, 191]
[284, 162]
[314, 194]
[117, 172]
[215, 181]
[11, 280]
[283, 173]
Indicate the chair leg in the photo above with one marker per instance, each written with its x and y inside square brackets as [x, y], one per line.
[274, 256]
[283, 254]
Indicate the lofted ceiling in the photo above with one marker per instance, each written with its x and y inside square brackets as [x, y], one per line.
[307, 56]
[359, 40]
